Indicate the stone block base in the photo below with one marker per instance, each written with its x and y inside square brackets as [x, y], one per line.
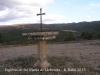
[42, 63]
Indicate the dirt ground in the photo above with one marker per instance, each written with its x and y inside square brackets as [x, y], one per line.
[86, 51]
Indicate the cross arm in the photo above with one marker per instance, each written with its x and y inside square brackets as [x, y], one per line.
[41, 14]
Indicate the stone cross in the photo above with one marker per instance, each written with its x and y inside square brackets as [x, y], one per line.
[41, 37]
[41, 18]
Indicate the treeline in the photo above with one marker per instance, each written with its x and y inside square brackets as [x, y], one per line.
[83, 26]
[85, 31]
[15, 37]
[77, 36]
[0, 38]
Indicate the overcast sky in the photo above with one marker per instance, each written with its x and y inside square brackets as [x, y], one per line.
[57, 11]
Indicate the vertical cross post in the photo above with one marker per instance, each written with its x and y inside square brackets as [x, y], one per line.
[41, 18]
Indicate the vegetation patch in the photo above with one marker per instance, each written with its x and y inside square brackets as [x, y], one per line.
[67, 66]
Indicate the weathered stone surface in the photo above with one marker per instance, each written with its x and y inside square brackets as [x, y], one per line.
[41, 49]
[43, 63]
[41, 35]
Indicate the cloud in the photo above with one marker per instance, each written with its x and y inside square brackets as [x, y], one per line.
[13, 3]
[66, 3]
[69, 21]
[95, 4]
[13, 14]
[92, 12]
[53, 18]
[34, 2]
[4, 12]
[2, 8]
[6, 23]
[24, 10]
[87, 16]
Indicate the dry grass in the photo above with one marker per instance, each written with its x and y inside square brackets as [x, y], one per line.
[85, 54]
[56, 62]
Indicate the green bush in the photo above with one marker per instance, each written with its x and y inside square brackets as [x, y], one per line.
[99, 35]
[70, 36]
[0, 37]
[87, 35]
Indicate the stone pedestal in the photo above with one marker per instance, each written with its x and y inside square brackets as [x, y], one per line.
[42, 60]
[41, 37]
[41, 49]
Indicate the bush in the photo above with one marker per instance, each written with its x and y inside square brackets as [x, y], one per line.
[0, 37]
[70, 37]
[99, 35]
[87, 35]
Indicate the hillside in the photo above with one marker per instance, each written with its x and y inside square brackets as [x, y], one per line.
[67, 32]
[81, 26]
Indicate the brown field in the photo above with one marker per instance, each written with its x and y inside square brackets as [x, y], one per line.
[86, 51]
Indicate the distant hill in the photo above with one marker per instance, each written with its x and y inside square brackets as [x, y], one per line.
[13, 34]
[81, 26]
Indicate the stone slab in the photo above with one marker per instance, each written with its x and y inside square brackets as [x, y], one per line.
[41, 35]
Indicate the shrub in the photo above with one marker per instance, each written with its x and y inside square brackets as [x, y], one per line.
[87, 35]
[0, 37]
[70, 37]
[99, 35]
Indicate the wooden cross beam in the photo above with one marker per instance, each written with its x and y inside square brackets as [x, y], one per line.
[41, 18]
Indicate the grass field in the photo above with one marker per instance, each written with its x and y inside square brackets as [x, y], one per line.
[72, 58]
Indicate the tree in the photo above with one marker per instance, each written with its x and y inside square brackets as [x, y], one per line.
[0, 37]
[70, 37]
[86, 35]
[99, 35]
